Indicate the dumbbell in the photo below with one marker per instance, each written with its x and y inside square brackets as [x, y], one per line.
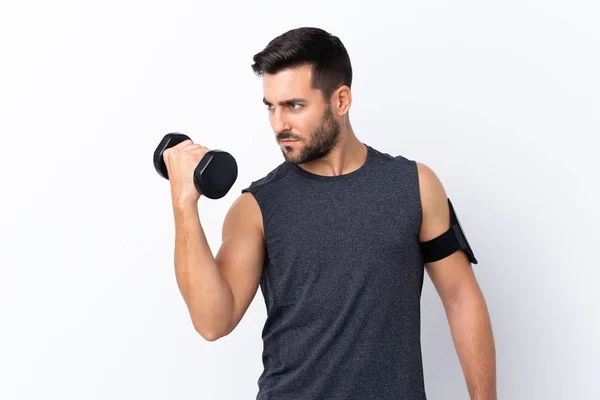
[213, 176]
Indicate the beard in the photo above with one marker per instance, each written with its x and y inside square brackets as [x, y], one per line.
[323, 140]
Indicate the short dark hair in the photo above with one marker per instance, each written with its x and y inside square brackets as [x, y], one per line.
[323, 51]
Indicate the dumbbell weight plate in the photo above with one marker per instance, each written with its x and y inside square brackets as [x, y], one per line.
[170, 140]
[215, 174]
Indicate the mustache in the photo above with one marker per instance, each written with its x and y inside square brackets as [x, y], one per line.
[286, 135]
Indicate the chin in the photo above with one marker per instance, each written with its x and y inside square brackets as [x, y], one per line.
[290, 156]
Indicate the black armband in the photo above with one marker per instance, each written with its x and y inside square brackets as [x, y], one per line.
[452, 240]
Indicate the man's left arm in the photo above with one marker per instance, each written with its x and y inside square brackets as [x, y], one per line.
[463, 301]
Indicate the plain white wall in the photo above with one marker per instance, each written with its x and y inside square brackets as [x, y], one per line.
[501, 99]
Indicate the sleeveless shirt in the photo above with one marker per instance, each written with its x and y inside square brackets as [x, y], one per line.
[342, 282]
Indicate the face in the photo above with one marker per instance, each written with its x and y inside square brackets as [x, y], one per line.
[300, 115]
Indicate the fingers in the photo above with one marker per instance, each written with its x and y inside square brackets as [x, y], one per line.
[185, 143]
[197, 148]
[186, 146]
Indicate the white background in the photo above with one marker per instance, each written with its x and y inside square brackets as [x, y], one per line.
[501, 99]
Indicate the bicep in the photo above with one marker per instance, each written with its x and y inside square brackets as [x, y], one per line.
[241, 255]
[452, 275]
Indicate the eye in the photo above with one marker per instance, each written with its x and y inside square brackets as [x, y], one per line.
[295, 104]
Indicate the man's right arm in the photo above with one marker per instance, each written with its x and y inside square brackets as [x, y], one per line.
[218, 290]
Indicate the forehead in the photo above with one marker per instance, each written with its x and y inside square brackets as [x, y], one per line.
[289, 83]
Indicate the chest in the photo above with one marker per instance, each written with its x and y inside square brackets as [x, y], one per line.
[341, 238]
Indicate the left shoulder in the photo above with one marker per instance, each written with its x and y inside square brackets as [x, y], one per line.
[434, 204]
[428, 179]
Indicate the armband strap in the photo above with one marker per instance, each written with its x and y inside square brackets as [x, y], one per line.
[449, 242]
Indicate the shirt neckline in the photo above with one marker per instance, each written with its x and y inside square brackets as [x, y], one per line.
[331, 178]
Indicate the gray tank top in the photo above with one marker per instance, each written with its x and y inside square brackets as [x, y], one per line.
[342, 282]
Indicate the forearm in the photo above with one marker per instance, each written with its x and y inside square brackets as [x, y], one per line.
[471, 330]
[207, 294]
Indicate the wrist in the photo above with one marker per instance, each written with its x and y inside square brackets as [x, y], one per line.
[185, 204]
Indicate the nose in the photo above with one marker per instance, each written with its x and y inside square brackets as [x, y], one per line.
[280, 123]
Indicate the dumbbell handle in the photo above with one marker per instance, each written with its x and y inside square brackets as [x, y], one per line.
[170, 140]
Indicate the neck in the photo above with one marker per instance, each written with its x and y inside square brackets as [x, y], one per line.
[348, 156]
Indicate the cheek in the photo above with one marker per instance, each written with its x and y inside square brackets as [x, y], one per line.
[306, 122]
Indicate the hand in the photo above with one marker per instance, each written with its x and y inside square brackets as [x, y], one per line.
[181, 160]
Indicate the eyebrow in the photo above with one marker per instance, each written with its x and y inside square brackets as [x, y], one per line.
[286, 102]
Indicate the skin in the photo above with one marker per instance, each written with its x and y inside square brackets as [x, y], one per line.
[455, 282]
[326, 142]
[218, 290]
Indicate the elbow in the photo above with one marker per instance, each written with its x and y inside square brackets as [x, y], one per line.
[212, 324]
[210, 335]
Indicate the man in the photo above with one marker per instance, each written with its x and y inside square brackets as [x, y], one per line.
[335, 238]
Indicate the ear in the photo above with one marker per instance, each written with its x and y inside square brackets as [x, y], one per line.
[342, 100]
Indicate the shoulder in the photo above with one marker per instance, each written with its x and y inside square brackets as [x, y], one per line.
[396, 164]
[268, 180]
[391, 159]
[429, 183]
[430, 192]
[434, 203]
[244, 214]
[256, 198]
